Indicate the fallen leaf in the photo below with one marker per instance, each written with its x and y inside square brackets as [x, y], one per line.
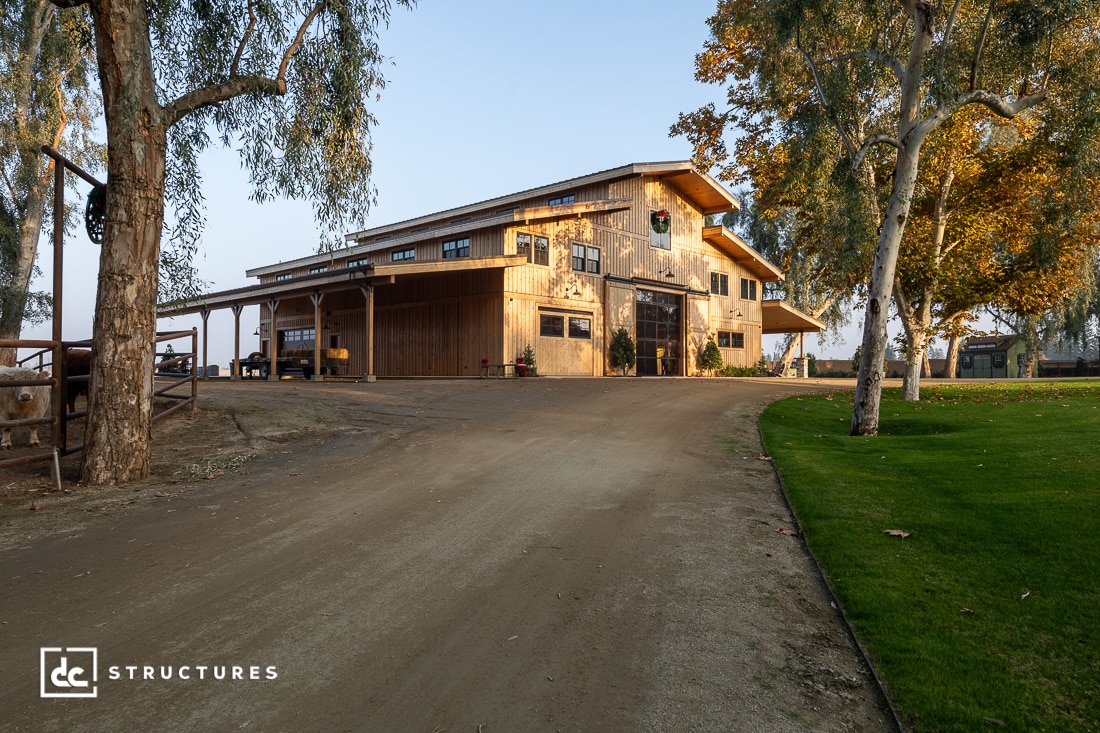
[513, 637]
[897, 533]
[34, 506]
[765, 457]
[785, 531]
[967, 610]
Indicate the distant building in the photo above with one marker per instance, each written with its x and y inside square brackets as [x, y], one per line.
[992, 357]
[560, 268]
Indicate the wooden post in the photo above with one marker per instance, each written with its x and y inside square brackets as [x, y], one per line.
[60, 403]
[317, 297]
[273, 341]
[236, 370]
[368, 296]
[205, 313]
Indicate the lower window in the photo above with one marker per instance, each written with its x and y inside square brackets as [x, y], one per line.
[731, 340]
[552, 326]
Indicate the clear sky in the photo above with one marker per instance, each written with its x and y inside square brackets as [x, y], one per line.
[484, 98]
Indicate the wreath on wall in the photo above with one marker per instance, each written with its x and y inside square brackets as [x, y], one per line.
[661, 221]
[95, 213]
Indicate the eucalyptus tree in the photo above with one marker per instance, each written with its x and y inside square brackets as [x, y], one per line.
[288, 82]
[885, 75]
[46, 97]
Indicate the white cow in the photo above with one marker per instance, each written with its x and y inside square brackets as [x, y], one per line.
[20, 403]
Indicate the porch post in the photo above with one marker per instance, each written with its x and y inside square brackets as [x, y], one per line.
[236, 370]
[205, 313]
[368, 296]
[317, 297]
[273, 341]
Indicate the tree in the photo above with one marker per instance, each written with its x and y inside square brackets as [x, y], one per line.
[890, 74]
[289, 82]
[623, 355]
[46, 97]
[711, 357]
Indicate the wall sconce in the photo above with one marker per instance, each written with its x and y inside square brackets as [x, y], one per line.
[667, 272]
[572, 291]
[256, 332]
[737, 313]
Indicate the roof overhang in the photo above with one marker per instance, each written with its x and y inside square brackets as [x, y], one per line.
[742, 253]
[708, 194]
[778, 317]
[333, 281]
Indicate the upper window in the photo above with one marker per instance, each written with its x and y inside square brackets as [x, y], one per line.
[586, 259]
[358, 263]
[318, 269]
[748, 289]
[719, 283]
[283, 276]
[998, 360]
[453, 248]
[403, 254]
[660, 229]
[568, 198]
[536, 248]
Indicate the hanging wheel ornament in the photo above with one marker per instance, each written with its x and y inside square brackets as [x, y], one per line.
[95, 213]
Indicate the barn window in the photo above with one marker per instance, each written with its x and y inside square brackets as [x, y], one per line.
[542, 251]
[568, 198]
[998, 360]
[454, 248]
[358, 263]
[553, 326]
[317, 270]
[399, 255]
[719, 283]
[523, 245]
[660, 229]
[967, 361]
[748, 289]
[731, 340]
[580, 328]
[283, 276]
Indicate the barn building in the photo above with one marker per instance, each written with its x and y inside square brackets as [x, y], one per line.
[560, 268]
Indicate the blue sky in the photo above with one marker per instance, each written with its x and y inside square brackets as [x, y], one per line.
[484, 98]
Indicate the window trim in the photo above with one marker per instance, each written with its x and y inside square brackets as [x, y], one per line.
[749, 289]
[580, 333]
[585, 262]
[719, 283]
[458, 249]
[732, 339]
[409, 253]
[557, 331]
[283, 276]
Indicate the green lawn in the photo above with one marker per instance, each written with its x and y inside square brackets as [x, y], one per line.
[988, 616]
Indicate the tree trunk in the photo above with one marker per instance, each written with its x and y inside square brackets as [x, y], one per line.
[951, 363]
[34, 168]
[119, 434]
[11, 317]
[873, 350]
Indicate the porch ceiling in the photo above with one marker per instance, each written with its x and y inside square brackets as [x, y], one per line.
[778, 317]
[333, 281]
[742, 253]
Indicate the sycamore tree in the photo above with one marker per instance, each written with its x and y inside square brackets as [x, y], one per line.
[289, 82]
[886, 75]
[47, 96]
[980, 230]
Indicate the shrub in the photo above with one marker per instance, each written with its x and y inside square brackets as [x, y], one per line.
[529, 361]
[623, 355]
[711, 358]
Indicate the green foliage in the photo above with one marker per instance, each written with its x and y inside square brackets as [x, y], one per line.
[623, 355]
[711, 358]
[529, 361]
[987, 479]
[811, 367]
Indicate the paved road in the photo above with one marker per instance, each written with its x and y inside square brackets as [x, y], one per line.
[521, 555]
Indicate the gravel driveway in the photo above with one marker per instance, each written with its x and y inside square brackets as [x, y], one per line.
[477, 555]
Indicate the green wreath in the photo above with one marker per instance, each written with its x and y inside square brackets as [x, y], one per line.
[661, 221]
[95, 213]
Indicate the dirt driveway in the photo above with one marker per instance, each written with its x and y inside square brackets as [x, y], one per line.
[513, 555]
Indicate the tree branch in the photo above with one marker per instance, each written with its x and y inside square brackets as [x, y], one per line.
[69, 3]
[233, 67]
[980, 45]
[235, 85]
[293, 48]
[824, 99]
[888, 60]
[997, 104]
[872, 141]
